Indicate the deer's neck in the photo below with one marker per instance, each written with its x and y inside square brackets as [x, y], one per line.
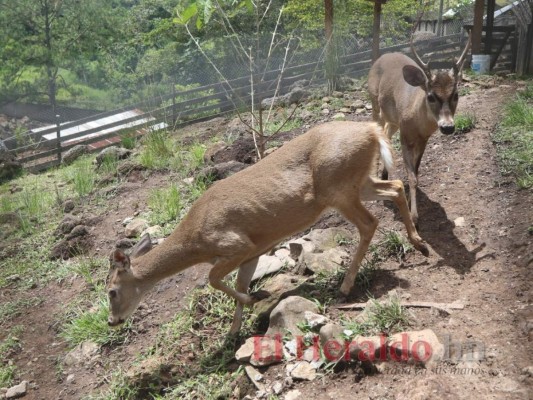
[174, 255]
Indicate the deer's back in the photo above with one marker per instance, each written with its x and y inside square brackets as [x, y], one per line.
[288, 190]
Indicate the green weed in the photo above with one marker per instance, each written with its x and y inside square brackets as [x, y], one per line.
[395, 245]
[165, 205]
[465, 122]
[90, 324]
[514, 139]
[386, 316]
[9, 346]
[12, 309]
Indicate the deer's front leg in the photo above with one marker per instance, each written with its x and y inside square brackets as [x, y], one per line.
[412, 151]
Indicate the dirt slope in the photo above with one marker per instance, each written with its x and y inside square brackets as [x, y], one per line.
[485, 263]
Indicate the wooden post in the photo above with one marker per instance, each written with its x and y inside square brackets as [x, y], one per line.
[375, 30]
[58, 125]
[477, 30]
[490, 25]
[173, 105]
[439, 21]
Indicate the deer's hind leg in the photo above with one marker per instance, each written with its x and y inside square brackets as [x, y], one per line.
[244, 277]
[366, 224]
[375, 189]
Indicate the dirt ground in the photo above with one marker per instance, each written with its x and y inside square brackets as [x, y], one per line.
[485, 263]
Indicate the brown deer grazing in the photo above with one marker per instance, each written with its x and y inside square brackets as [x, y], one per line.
[408, 96]
[245, 215]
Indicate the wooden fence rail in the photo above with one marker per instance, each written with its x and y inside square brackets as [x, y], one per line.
[204, 102]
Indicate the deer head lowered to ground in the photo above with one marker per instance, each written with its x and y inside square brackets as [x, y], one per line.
[243, 216]
[408, 96]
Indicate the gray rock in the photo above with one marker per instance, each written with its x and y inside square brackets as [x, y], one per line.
[428, 352]
[267, 265]
[135, 227]
[113, 153]
[17, 391]
[301, 83]
[279, 287]
[339, 117]
[260, 351]
[329, 238]
[154, 231]
[288, 314]
[329, 261]
[74, 153]
[315, 321]
[81, 354]
[329, 332]
[273, 102]
[302, 371]
[296, 95]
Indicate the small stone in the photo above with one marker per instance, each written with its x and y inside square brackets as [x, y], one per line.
[154, 231]
[325, 111]
[277, 387]
[267, 265]
[303, 371]
[135, 227]
[345, 110]
[339, 117]
[70, 378]
[315, 320]
[528, 371]
[459, 222]
[17, 391]
[293, 395]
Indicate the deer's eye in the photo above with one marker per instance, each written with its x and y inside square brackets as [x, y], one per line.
[431, 98]
[112, 293]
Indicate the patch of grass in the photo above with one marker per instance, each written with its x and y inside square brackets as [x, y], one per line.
[465, 122]
[9, 346]
[514, 139]
[165, 205]
[14, 308]
[368, 269]
[395, 245]
[203, 386]
[92, 270]
[80, 175]
[386, 316]
[89, 323]
[118, 388]
[157, 151]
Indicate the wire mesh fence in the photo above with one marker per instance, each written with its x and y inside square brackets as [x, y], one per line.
[215, 79]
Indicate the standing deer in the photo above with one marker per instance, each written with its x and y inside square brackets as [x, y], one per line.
[245, 215]
[408, 96]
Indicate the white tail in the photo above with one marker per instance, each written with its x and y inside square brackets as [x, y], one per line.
[407, 96]
[386, 153]
[245, 215]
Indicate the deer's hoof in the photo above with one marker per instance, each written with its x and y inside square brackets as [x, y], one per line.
[260, 295]
[423, 249]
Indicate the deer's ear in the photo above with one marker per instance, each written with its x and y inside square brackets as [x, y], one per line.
[143, 246]
[414, 76]
[119, 260]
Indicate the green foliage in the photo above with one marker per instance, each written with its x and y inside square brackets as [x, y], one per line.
[386, 316]
[8, 347]
[89, 323]
[465, 122]
[165, 205]
[81, 175]
[13, 309]
[514, 139]
[395, 245]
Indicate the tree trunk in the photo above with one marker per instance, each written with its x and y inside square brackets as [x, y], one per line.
[331, 53]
